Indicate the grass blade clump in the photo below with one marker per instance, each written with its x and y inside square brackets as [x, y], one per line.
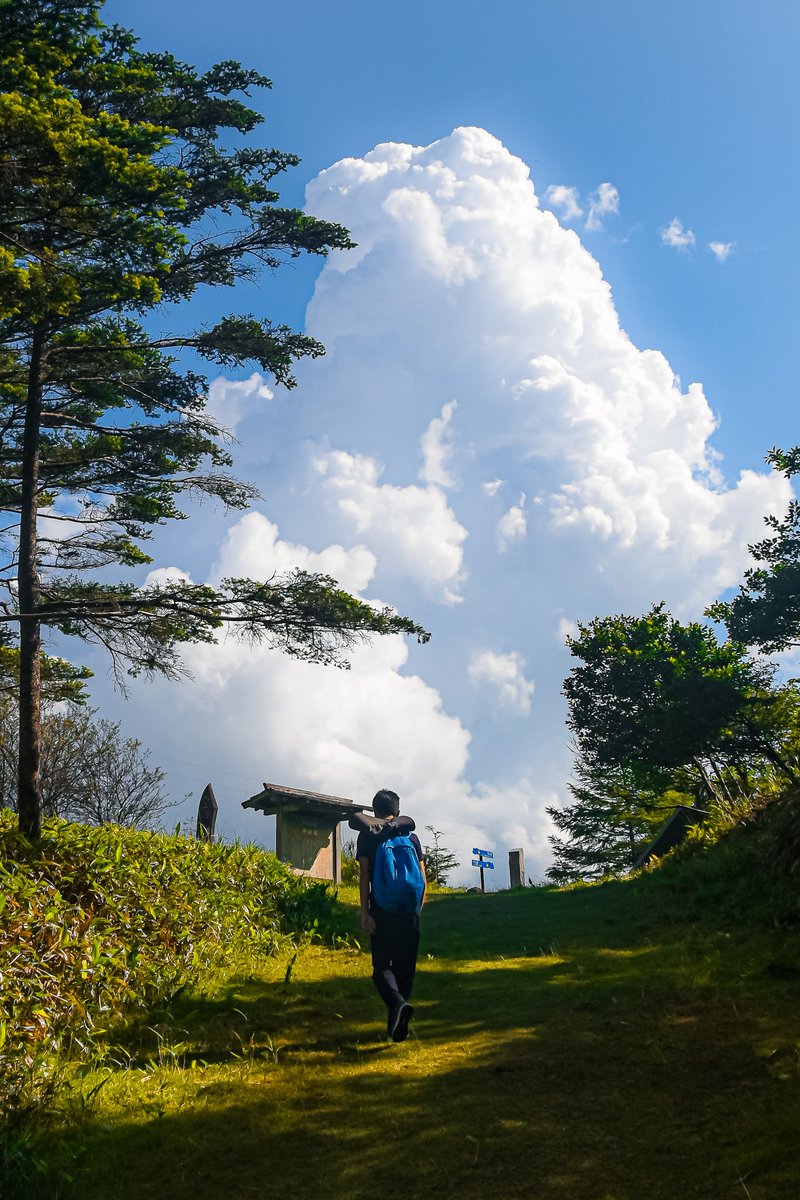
[97, 923]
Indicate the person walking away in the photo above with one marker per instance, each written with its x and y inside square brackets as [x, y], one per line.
[392, 889]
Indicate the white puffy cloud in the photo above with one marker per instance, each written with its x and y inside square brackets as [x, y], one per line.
[503, 677]
[513, 525]
[676, 235]
[344, 733]
[437, 446]
[229, 401]
[462, 286]
[253, 550]
[412, 529]
[603, 202]
[252, 714]
[529, 334]
[721, 250]
[161, 576]
[565, 199]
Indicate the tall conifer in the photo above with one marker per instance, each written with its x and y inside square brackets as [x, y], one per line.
[123, 187]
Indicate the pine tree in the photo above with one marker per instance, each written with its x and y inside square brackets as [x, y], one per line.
[610, 821]
[123, 189]
[439, 861]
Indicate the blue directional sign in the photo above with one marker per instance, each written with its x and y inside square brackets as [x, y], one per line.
[483, 853]
[476, 862]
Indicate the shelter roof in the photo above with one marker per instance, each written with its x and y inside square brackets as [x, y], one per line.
[275, 798]
[671, 833]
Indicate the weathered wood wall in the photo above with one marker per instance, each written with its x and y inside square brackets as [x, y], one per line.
[312, 845]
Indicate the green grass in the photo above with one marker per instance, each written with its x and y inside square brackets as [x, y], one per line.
[99, 924]
[582, 1045]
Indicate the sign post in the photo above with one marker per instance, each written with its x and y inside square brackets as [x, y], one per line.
[481, 861]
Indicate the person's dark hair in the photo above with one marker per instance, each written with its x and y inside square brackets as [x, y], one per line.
[386, 803]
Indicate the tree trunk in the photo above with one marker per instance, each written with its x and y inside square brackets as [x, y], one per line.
[770, 752]
[29, 798]
[778, 761]
[632, 842]
[723, 784]
[710, 790]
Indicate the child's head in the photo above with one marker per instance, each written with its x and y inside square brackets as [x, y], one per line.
[386, 803]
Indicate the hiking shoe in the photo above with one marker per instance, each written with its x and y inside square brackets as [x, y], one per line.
[398, 1025]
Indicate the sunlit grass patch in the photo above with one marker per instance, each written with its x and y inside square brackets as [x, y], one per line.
[477, 965]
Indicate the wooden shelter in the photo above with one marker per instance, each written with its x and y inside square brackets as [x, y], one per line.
[307, 828]
[671, 833]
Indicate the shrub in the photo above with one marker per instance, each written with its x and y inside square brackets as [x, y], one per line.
[97, 922]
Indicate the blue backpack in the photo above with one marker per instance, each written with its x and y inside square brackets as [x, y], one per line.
[398, 884]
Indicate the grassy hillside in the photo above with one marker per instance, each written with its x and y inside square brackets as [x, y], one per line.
[97, 925]
[627, 1040]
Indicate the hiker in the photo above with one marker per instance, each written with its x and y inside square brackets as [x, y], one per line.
[392, 889]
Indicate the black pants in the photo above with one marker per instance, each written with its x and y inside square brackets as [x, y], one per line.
[394, 955]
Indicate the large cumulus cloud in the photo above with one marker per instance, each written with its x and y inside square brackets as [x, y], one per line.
[485, 448]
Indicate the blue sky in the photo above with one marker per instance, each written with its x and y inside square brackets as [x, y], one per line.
[482, 446]
[690, 111]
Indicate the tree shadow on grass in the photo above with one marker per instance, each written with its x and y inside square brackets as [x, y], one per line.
[341, 1014]
[593, 1078]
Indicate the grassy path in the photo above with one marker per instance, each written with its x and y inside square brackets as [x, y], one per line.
[566, 1046]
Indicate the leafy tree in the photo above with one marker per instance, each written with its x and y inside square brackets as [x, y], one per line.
[89, 772]
[766, 610]
[59, 680]
[616, 810]
[439, 861]
[653, 694]
[123, 190]
[663, 714]
[611, 820]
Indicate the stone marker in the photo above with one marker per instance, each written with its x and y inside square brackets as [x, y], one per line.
[516, 867]
[207, 815]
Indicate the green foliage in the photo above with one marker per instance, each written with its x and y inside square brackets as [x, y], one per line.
[743, 870]
[766, 610]
[124, 186]
[306, 616]
[350, 869]
[113, 176]
[611, 819]
[88, 771]
[663, 714]
[61, 680]
[652, 693]
[655, 1013]
[439, 861]
[99, 923]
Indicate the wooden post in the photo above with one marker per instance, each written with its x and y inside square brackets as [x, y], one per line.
[336, 851]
